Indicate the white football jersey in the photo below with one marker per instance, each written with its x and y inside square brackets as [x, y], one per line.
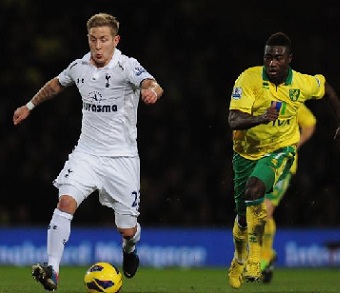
[110, 97]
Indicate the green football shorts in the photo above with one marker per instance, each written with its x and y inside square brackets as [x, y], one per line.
[269, 169]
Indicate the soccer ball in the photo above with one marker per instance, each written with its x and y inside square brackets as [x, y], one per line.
[103, 277]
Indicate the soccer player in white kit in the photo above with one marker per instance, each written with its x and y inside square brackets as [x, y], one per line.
[105, 158]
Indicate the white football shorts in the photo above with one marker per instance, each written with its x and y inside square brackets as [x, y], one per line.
[117, 180]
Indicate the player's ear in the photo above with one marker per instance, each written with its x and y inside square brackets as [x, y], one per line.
[116, 40]
[290, 57]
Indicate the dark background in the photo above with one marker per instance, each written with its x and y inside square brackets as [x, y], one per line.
[195, 49]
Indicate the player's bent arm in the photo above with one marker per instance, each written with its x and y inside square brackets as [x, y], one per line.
[239, 120]
[334, 100]
[335, 104]
[47, 92]
[151, 91]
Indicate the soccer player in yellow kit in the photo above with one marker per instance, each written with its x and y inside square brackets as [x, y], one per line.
[263, 116]
[307, 122]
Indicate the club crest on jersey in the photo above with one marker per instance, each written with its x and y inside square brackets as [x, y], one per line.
[294, 94]
[237, 93]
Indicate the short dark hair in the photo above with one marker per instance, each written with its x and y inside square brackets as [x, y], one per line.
[280, 39]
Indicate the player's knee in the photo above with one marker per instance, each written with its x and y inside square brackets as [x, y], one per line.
[127, 233]
[126, 225]
[67, 204]
[255, 189]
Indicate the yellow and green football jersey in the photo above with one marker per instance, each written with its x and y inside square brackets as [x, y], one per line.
[253, 93]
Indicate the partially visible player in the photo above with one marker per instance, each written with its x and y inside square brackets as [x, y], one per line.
[307, 124]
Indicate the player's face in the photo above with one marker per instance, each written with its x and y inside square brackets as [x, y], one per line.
[102, 45]
[276, 61]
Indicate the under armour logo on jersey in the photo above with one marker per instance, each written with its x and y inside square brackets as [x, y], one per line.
[107, 77]
[80, 80]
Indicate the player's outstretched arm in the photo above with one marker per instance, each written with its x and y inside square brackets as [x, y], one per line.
[151, 91]
[48, 91]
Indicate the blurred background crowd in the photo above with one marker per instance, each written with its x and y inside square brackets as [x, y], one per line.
[195, 49]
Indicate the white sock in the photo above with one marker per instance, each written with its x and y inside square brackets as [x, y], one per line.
[58, 233]
[129, 245]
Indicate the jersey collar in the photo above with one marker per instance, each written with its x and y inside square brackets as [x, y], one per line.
[115, 58]
[288, 80]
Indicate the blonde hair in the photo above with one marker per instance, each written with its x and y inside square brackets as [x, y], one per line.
[103, 19]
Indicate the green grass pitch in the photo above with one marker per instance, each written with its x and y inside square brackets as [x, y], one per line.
[205, 280]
